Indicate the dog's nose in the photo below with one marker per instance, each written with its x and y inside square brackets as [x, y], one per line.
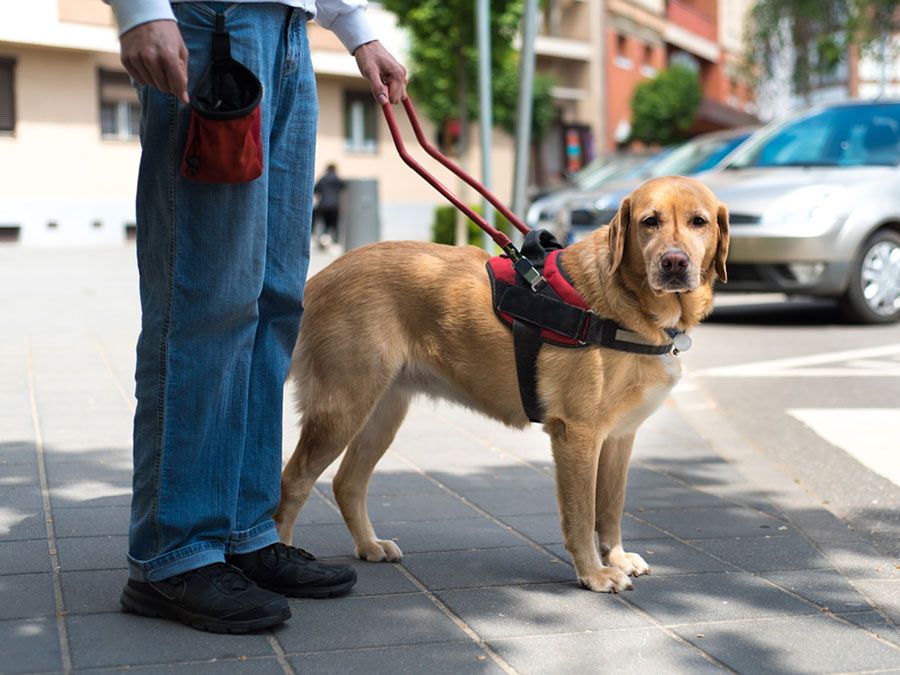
[674, 261]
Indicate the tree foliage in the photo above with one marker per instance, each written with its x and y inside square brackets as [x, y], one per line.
[664, 107]
[443, 60]
[818, 32]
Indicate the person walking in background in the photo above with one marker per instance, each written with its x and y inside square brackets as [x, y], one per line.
[222, 270]
[328, 189]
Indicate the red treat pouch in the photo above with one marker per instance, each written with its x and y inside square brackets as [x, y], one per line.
[223, 141]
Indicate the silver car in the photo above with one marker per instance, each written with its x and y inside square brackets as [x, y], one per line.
[815, 208]
[587, 210]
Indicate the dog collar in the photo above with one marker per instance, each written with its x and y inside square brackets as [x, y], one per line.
[681, 341]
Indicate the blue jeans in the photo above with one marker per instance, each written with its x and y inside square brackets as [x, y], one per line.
[222, 270]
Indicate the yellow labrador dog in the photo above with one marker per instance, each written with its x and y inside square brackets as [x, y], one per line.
[393, 319]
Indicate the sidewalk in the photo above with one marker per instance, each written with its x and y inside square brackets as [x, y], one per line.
[748, 573]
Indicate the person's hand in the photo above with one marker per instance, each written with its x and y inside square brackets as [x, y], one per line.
[153, 53]
[385, 74]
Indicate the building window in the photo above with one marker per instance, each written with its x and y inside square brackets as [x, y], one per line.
[647, 69]
[622, 60]
[359, 122]
[7, 96]
[120, 111]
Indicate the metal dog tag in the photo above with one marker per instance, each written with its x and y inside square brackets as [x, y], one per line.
[682, 342]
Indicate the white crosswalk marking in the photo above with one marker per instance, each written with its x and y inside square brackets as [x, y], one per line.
[883, 361]
[870, 435]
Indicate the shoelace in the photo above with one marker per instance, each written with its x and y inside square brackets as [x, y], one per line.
[291, 553]
[226, 575]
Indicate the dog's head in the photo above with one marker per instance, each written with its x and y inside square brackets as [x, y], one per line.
[671, 231]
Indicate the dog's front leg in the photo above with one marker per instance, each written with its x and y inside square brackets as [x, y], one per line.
[576, 451]
[612, 476]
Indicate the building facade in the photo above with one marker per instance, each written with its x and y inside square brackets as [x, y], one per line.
[69, 146]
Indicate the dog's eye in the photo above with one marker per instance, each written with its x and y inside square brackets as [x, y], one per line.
[650, 221]
[698, 221]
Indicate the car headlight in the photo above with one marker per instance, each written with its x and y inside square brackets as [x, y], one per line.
[817, 205]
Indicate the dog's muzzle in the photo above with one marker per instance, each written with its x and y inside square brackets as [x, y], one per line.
[675, 272]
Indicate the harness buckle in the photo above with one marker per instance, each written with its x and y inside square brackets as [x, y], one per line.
[586, 326]
[529, 273]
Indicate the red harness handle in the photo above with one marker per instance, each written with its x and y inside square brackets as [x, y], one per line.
[501, 239]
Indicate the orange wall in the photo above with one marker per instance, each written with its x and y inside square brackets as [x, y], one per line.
[621, 81]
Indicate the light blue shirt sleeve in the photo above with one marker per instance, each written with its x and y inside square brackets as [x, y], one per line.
[131, 13]
[345, 18]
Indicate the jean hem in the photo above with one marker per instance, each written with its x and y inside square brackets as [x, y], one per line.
[253, 539]
[175, 562]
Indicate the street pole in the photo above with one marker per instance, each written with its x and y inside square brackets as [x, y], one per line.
[523, 113]
[483, 12]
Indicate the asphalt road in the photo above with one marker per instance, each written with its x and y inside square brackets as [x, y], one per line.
[819, 397]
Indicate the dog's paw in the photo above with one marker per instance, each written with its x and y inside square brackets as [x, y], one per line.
[606, 580]
[379, 550]
[630, 563]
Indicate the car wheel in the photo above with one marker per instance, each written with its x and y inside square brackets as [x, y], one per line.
[874, 292]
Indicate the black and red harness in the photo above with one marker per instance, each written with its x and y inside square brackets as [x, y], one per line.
[531, 292]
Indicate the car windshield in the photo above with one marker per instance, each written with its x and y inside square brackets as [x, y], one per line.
[604, 169]
[696, 156]
[866, 135]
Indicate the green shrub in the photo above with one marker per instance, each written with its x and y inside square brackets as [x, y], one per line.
[443, 227]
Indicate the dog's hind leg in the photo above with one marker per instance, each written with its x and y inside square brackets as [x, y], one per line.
[612, 476]
[352, 480]
[325, 433]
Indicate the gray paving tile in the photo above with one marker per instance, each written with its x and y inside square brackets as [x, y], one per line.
[91, 521]
[406, 508]
[515, 502]
[860, 561]
[545, 529]
[134, 640]
[399, 481]
[16, 452]
[885, 594]
[826, 588]
[816, 644]
[447, 535]
[317, 511]
[24, 596]
[377, 578]
[490, 567]
[714, 523]
[92, 591]
[29, 645]
[675, 496]
[351, 623]
[324, 541]
[545, 609]
[713, 597]
[21, 513]
[24, 557]
[244, 664]
[463, 476]
[97, 481]
[665, 557]
[92, 553]
[875, 623]
[766, 554]
[15, 475]
[434, 659]
[638, 651]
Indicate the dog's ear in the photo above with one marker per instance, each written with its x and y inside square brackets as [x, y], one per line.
[722, 246]
[618, 232]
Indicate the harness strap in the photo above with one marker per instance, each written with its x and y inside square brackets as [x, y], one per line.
[527, 344]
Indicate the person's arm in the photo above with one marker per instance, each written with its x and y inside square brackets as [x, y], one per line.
[152, 50]
[346, 18]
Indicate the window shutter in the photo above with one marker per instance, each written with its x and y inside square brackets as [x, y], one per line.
[7, 96]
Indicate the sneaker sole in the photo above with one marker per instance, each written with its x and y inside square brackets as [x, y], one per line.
[313, 593]
[157, 608]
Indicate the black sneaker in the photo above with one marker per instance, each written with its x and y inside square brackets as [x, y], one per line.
[217, 598]
[294, 572]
